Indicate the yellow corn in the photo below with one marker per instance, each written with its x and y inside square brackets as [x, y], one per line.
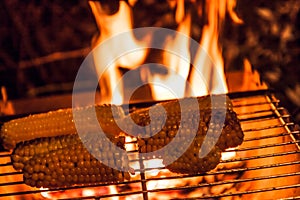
[26, 150]
[74, 165]
[56, 123]
[190, 162]
[231, 132]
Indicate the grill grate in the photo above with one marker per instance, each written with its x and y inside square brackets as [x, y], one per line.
[267, 163]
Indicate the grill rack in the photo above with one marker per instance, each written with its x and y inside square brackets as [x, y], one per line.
[264, 111]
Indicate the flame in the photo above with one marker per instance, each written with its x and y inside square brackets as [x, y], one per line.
[113, 190]
[46, 194]
[88, 192]
[207, 74]
[111, 25]
[208, 70]
[80, 192]
[231, 4]
[173, 84]
[179, 11]
[228, 155]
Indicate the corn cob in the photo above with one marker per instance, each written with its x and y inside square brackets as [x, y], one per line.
[190, 162]
[59, 122]
[26, 150]
[231, 132]
[74, 165]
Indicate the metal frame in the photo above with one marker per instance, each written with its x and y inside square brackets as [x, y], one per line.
[260, 116]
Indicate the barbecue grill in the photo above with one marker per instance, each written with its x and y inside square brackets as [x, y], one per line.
[266, 165]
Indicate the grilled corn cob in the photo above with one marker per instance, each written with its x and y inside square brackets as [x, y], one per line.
[190, 162]
[26, 150]
[56, 123]
[67, 167]
[231, 132]
[74, 165]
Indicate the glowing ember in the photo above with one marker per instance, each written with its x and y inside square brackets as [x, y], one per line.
[228, 155]
[45, 194]
[88, 192]
[80, 192]
[113, 190]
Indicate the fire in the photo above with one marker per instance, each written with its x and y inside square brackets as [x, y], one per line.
[231, 4]
[179, 11]
[206, 76]
[228, 155]
[212, 67]
[173, 84]
[204, 71]
[109, 26]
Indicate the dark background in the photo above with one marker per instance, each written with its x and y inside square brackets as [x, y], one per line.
[31, 29]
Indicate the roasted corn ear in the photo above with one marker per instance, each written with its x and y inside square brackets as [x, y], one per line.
[28, 149]
[74, 165]
[190, 119]
[57, 123]
[190, 162]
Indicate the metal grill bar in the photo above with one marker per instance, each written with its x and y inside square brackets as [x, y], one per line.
[268, 146]
[269, 127]
[251, 192]
[247, 158]
[227, 171]
[227, 182]
[267, 113]
[10, 173]
[257, 104]
[6, 164]
[270, 136]
[58, 189]
[4, 155]
[251, 157]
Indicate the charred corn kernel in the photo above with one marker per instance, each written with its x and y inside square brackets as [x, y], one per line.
[231, 132]
[64, 172]
[40, 146]
[59, 122]
[49, 144]
[190, 162]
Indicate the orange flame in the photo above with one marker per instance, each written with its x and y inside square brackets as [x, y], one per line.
[173, 85]
[208, 62]
[212, 67]
[111, 25]
[206, 76]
